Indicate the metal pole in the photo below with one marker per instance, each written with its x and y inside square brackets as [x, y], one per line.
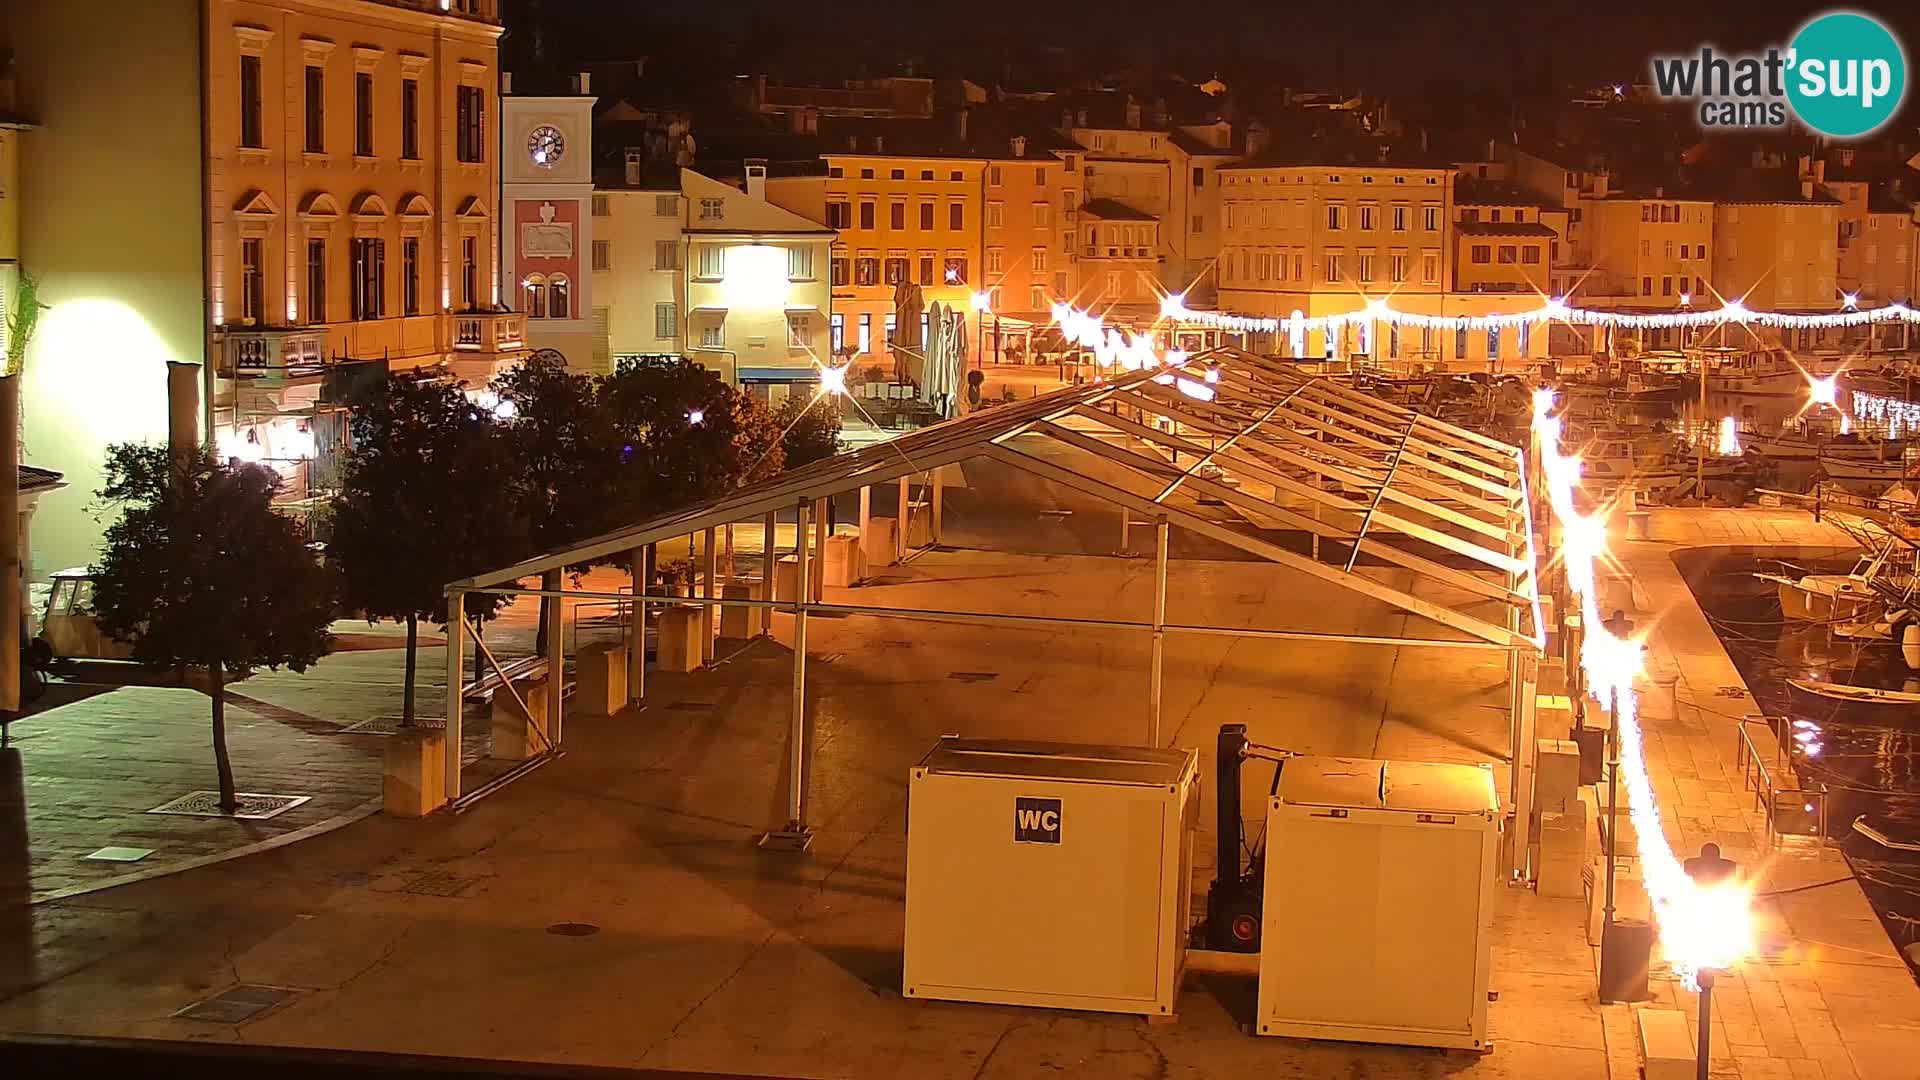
[1705, 1021]
[1700, 448]
[456, 672]
[769, 561]
[866, 516]
[817, 587]
[939, 490]
[710, 570]
[900, 530]
[1157, 677]
[637, 628]
[796, 836]
[1613, 796]
[556, 652]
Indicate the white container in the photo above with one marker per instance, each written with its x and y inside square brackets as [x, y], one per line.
[1378, 909]
[1050, 874]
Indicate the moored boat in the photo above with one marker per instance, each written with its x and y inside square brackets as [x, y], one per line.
[1848, 694]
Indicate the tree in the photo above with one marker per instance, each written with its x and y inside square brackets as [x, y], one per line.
[688, 434]
[811, 427]
[426, 497]
[201, 572]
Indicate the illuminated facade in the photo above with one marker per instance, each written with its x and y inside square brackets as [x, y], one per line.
[546, 192]
[639, 266]
[1324, 239]
[757, 304]
[1172, 175]
[307, 201]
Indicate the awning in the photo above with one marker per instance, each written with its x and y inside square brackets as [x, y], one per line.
[778, 374]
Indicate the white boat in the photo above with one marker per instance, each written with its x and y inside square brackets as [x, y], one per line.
[1758, 373]
[1862, 470]
[1845, 597]
[1855, 695]
[1811, 438]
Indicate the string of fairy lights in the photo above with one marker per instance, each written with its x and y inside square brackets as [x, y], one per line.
[1554, 309]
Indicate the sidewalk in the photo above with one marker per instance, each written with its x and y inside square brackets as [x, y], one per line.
[1826, 995]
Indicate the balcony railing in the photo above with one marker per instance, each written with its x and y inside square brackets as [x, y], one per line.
[490, 332]
[280, 353]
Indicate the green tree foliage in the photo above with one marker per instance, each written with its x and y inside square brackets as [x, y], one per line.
[573, 477]
[427, 496]
[686, 434]
[201, 572]
[812, 428]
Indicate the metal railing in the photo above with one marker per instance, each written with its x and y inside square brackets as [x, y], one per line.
[1766, 783]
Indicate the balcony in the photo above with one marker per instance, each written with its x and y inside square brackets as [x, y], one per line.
[485, 343]
[273, 356]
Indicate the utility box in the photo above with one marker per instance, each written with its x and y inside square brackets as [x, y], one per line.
[1378, 902]
[1050, 874]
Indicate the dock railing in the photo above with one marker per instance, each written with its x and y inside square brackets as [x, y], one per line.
[1790, 811]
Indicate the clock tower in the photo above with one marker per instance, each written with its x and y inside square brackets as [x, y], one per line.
[546, 181]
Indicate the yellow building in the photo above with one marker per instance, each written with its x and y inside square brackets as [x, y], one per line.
[1317, 239]
[330, 214]
[970, 226]
[1502, 242]
[1876, 254]
[1776, 244]
[1653, 253]
[1171, 174]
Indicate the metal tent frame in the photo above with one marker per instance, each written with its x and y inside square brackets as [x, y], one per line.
[1228, 445]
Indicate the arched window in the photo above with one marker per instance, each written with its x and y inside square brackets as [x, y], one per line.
[558, 298]
[534, 296]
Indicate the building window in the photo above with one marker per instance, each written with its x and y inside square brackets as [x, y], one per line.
[1199, 223]
[316, 280]
[369, 278]
[1509, 254]
[926, 174]
[866, 269]
[838, 266]
[799, 331]
[897, 215]
[896, 269]
[866, 213]
[897, 174]
[1060, 283]
[666, 321]
[993, 175]
[1646, 285]
[1038, 262]
[1366, 267]
[1431, 214]
[1460, 342]
[713, 262]
[1336, 217]
[602, 206]
[800, 263]
[410, 275]
[995, 261]
[1482, 254]
[866, 174]
[666, 255]
[1396, 268]
[1037, 298]
[839, 215]
[866, 333]
[956, 216]
[250, 108]
[837, 332]
[410, 119]
[252, 288]
[316, 109]
[926, 268]
[714, 335]
[955, 272]
[1530, 254]
[1666, 286]
[1526, 338]
[666, 205]
[470, 109]
[926, 215]
[996, 215]
[1333, 268]
[363, 114]
[1366, 216]
[712, 209]
[1493, 343]
[603, 254]
[469, 270]
[1399, 219]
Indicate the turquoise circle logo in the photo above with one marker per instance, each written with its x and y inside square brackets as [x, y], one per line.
[1846, 74]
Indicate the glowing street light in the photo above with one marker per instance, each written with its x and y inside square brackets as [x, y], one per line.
[1824, 391]
[833, 380]
[696, 417]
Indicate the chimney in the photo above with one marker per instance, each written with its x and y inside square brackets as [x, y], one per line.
[636, 158]
[1159, 114]
[1820, 171]
[6, 81]
[506, 83]
[1256, 137]
[960, 124]
[1083, 118]
[1806, 187]
[879, 144]
[1066, 119]
[853, 142]
[1018, 144]
[1133, 113]
[583, 83]
[757, 179]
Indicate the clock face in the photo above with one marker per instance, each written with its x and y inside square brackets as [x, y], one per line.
[545, 145]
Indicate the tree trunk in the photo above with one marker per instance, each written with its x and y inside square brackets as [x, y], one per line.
[406, 694]
[229, 801]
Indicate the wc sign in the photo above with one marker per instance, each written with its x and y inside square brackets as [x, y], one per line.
[1036, 821]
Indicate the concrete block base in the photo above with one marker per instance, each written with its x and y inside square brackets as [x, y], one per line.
[1553, 716]
[514, 731]
[738, 623]
[679, 646]
[786, 579]
[1557, 776]
[602, 678]
[877, 544]
[1563, 854]
[415, 782]
[845, 566]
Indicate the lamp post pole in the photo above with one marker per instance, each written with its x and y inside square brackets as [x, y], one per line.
[1705, 1021]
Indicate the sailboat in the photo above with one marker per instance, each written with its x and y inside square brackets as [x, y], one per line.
[1757, 373]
